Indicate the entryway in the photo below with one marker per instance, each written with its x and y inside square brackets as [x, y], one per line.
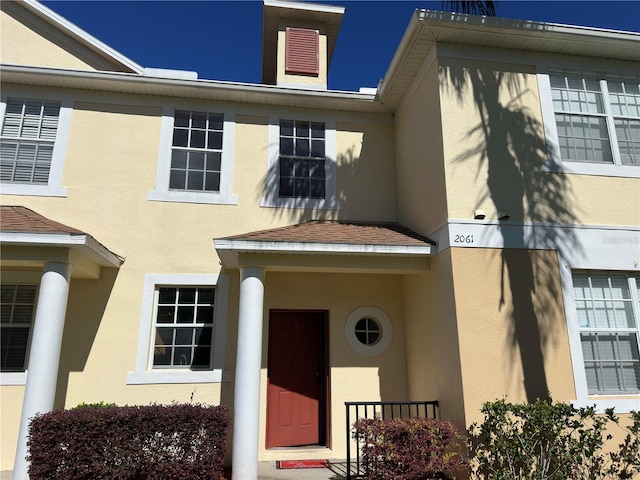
[297, 378]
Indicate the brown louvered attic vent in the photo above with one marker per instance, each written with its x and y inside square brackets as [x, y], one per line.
[302, 51]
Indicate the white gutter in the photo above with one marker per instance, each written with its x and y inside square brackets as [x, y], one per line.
[247, 246]
[81, 35]
[477, 22]
[89, 245]
[434, 20]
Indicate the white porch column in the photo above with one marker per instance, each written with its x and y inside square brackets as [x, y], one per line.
[44, 354]
[246, 404]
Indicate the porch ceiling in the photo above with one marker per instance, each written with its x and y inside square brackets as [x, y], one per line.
[329, 245]
[29, 240]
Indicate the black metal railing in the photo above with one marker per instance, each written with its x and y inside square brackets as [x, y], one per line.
[359, 410]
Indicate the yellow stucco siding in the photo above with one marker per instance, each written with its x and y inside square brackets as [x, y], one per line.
[21, 45]
[366, 151]
[10, 407]
[433, 356]
[511, 326]
[110, 166]
[420, 173]
[495, 150]
[494, 145]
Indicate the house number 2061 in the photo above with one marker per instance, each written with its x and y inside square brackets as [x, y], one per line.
[463, 239]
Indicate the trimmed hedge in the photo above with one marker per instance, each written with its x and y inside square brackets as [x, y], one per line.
[409, 448]
[180, 441]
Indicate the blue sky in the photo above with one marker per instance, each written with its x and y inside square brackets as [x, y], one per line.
[221, 40]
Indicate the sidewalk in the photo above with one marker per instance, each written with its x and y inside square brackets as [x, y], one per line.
[268, 471]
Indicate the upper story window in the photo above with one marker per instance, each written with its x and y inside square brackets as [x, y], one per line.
[196, 157]
[32, 146]
[302, 159]
[608, 312]
[301, 163]
[196, 154]
[18, 305]
[28, 135]
[597, 122]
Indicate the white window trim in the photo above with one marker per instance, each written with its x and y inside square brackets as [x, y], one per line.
[54, 186]
[162, 192]
[144, 374]
[554, 162]
[271, 198]
[386, 334]
[24, 277]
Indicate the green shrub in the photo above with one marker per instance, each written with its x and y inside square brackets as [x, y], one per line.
[409, 448]
[550, 441]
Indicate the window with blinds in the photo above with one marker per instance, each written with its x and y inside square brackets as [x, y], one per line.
[18, 305]
[597, 119]
[27, 139]
[608, 308]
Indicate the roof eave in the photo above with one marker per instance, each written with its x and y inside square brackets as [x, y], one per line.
[316, 248]
[88, 245]
[194, 88]
[427, 22]
[81, 36]
[230, 251]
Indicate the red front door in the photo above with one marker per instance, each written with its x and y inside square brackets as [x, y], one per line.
[297, 377]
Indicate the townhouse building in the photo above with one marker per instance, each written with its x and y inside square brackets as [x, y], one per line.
[467, 231]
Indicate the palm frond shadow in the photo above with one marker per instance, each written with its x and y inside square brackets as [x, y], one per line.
[510, 149]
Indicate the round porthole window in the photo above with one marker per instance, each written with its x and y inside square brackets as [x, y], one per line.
[368, 330]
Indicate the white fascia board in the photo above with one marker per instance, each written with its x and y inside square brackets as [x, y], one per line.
[81, 35]
[118, 77]
[314, 7]
[433, 17]
[88, 245]
[320, 248]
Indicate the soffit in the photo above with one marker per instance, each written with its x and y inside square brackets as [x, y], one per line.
[428, 28]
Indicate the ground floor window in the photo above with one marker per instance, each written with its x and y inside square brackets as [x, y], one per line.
[18, 305]
[368, 330]
[608, 311]
[183, 327]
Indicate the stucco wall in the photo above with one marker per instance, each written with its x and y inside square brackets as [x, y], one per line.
[433, 356]
[495, 149]
[20, 45]
[366, 171]
[10, 398]
[420, 171]
[511, 326]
